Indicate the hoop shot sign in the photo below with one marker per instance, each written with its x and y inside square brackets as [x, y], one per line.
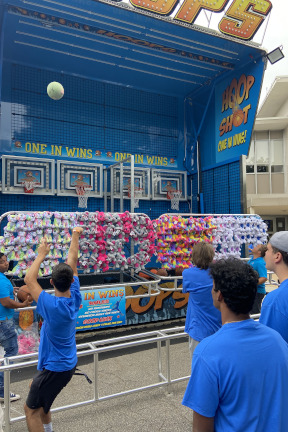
[242, 19]
[236, 103]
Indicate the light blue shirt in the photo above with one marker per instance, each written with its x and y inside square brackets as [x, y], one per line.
[260, 266]
[6, 290]
[240, 377]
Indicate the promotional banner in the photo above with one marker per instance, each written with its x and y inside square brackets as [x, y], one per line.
[236, 101]
[165, 306]
[88, 154]
[101, 308]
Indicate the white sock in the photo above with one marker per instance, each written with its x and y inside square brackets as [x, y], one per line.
[48, 427]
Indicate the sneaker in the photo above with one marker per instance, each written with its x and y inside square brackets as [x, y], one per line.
[13, 397]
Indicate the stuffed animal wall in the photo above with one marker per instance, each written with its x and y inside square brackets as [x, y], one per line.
[176, 236]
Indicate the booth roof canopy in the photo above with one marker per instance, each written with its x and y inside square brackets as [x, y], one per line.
[111, 42]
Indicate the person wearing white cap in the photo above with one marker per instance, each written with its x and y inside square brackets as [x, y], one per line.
[274, 311]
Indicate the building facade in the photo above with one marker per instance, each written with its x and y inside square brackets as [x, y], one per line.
[267, 161]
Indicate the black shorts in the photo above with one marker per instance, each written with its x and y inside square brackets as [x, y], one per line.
[45, 387]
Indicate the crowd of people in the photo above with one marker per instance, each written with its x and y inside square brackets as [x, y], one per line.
[239, 376]
[240, 371]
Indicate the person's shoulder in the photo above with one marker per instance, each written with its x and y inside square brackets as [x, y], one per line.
[192, 270]
[210, 343]
[284, 284]
[44, 296]
[188, 270]
[278, 293]
[4, 278]
[278, 298]
[76, 283]
[5, 282]
[273, 335]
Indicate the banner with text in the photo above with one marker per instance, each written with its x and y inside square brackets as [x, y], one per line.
[236, 102]
[101, 308]
[88, 154]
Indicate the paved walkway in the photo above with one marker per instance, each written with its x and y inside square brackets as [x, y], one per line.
[147, 411]
[151, 410]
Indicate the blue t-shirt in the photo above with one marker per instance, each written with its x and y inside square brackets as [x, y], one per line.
[274, 312]
[240, 377]
[202, 318]
[6, 290]
[57, 350]
[260, 266]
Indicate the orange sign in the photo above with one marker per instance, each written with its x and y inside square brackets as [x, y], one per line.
[241, 20]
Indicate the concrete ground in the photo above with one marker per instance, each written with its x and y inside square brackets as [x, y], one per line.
[153, 410]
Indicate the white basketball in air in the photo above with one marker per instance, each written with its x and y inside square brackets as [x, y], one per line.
[55, 90]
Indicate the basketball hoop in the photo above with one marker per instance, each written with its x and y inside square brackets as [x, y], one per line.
[174, 196]
[82, 192]
[138, 193]
[29, 186]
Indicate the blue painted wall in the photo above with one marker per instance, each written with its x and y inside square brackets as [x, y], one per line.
[103, 117]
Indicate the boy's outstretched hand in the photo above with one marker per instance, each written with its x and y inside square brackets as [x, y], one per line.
[78, 229]
[44, 248]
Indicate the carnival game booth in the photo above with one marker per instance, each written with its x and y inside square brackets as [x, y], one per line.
[150, 112]
[135, 81]
[116, 288]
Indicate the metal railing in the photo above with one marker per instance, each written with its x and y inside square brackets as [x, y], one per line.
[162, 339]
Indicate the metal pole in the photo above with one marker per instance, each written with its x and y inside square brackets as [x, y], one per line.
[96, 366]
[168, 365]
[112, 189]
[121, 188]
[105, 189]
[160, 374]
[132, 187]
[7, 399]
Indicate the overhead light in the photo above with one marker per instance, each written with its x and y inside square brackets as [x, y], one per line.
[275, 55]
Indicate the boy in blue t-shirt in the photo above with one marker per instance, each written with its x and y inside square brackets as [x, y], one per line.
[274, 311]
[258, 263]
[202, 318]
[234, 364]
[57, 351]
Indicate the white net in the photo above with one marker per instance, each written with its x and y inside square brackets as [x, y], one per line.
[138, 193]
[29, 186]
[82, 193]
[175, 198]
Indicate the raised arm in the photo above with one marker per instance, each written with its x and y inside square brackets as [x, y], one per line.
[73, 249]
[32, 274]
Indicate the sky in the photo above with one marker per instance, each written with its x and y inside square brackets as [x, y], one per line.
[272, 34]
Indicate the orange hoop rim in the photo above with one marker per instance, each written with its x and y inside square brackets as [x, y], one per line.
[136, 189]
[173, 194]
[29, 186]
[82, 190]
